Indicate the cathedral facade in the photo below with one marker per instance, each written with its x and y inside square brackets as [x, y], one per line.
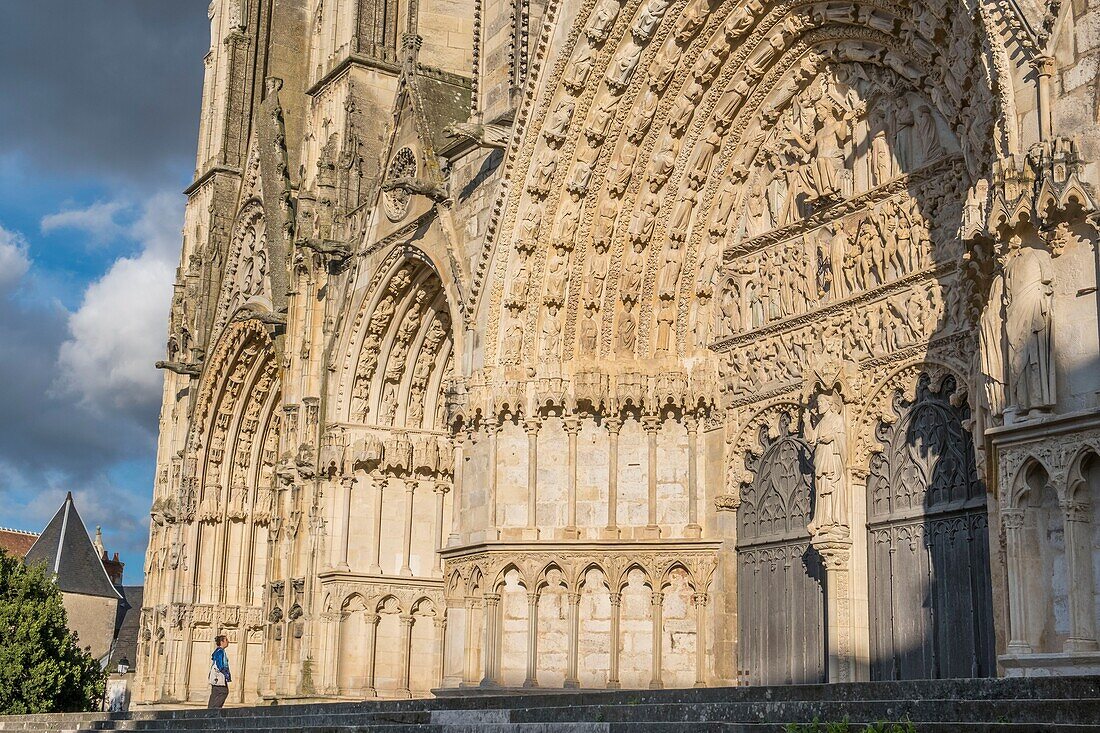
[632, 343]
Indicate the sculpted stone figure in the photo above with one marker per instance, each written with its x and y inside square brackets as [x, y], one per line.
[642, 117]
[620, 69]
[1029, 326]
[670, 271]
[927, 134]
[666, 320]
[648, 20]
[528, 229]
[645, 217]
[589, 332]
[557, 126]
[604, 228]
[557, 273]
[576, 75]
[664, 66]
[621, 169]
[543, 174]
[603, 17]
[827, 434]
[681, 216]
[630, 284]
[628, 331]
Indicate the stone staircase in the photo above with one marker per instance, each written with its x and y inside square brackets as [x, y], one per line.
[1059, 705]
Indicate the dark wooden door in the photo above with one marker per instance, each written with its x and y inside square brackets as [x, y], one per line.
[780, 578]
[928, 552]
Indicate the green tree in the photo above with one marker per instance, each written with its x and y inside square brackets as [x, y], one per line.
[42, 667]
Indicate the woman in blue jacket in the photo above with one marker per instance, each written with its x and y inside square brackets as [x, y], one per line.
[219, 673]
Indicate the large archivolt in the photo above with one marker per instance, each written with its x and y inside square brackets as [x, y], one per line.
[646, 165]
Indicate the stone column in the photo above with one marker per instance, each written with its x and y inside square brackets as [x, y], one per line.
[700, 601]
[693, 530]
[242, 663]
[469, 646]
[441, 490]
[371, 620]
[410, 493]
[1044, 70]
[571, 679]
[406, 661]
[456, 500]
[838, 607]
[657, 607]
[1078, 528]
[572, 429]
[532, 640]
[376, 561]
[332, 659]
[440, 625]
[613, 661]
[492, 427]
[652, 425]
[345, 524]
[490, 642]
[611, 531]
[1018, 638]
[532, 428]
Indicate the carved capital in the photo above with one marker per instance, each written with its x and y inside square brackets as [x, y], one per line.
[1076, 511]
[613, 425]
[835, 553]
[1012, 519]
[727, 502]
[700, 599]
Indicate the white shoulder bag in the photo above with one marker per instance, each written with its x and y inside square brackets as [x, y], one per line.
[217, 677]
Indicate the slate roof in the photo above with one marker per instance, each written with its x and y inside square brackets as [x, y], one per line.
[127, 627]
[16, 542]
[67, 551]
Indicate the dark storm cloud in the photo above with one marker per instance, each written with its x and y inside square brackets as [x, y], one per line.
[42, 432]
[104, 88]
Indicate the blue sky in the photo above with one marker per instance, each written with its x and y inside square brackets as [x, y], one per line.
[98, 121]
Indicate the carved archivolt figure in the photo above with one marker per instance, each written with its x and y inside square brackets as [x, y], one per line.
[828, 436]
[1029, 325]
[628, 331]
[579, 68]
[527, 236]
[666, 320]
[649, 19]
[558, 124]
[589, 332]
[602, 19]
[621, 169]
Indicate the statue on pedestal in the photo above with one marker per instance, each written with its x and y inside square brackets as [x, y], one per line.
[827, 434]
[1029, 328]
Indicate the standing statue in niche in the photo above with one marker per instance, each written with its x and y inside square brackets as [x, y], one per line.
[827, 433]
[991, 346]
[1029, 326]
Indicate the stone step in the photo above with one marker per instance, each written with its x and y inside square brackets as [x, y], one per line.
[1055, 704]
[663, 728]
[970, 713]
[1022, 711]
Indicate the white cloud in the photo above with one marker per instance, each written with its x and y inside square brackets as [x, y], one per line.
[14, 261]
[119, 330]
[97, 220]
